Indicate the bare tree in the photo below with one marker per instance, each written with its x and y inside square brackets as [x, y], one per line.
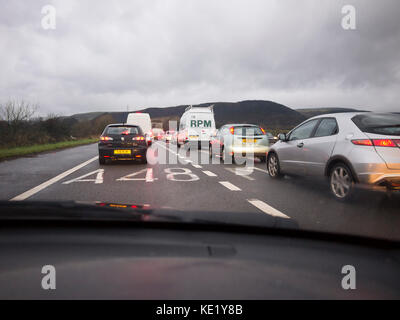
[14, 112]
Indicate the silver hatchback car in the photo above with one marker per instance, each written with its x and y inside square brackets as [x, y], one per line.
[240, 139]
[348, 148]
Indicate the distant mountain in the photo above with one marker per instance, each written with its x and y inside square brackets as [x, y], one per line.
[269, 114]
[312, 112]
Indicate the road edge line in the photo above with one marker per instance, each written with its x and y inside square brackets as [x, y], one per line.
[53, 180]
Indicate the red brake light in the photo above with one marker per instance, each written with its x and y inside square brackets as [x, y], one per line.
[232, 130]
[105, 138]
[384, 143]
[362, 142]
[377, 142]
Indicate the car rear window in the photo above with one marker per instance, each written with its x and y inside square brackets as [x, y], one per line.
[248, 131]
[123, 130]
[377, 123]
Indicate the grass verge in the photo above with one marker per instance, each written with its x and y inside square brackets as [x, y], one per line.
[28, 150]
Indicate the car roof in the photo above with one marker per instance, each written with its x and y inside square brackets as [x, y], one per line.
[341, 115]
[239, 124]
[122, 125]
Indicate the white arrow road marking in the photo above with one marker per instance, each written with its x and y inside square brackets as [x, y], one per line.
[48, 183]
[210, 174]
[267, 208]
[230, 186]
[99, 177]
[197, 166]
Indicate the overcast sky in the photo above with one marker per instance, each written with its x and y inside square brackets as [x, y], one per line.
[105, 55]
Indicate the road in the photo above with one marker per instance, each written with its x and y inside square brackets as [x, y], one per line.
[190, 185]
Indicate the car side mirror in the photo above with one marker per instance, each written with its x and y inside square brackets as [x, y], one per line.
[282, 137]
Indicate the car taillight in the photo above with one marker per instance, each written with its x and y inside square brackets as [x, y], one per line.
[138, 138]
[378, 142]
[362, 142]
[105, 138]
[384, 143]
[232, 130]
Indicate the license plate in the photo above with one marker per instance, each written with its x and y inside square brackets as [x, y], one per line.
[249, 140]
[122, 151]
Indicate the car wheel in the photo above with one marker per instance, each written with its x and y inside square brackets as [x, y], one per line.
[102, 160]
[273, 166]
[341, 182]
[210, 151]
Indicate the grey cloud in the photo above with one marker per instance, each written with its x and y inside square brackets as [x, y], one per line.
[157, 53]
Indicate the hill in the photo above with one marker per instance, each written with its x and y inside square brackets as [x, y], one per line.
[269, 114]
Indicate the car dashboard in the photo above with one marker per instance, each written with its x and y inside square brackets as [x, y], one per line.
[124, 262]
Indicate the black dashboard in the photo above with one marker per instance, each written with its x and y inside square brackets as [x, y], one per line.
[95, 261]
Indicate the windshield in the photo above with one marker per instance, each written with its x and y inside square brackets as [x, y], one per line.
[221, 112]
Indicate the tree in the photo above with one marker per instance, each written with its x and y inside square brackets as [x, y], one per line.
[15, 112]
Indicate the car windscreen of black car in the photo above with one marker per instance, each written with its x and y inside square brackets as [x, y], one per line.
[378, 123]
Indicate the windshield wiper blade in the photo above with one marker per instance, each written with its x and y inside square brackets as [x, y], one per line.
[52, 210]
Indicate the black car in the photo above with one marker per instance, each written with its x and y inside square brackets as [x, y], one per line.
[122, 142]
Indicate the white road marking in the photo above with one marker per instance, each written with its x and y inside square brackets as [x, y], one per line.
[262, 170]
[98, 180]
[209, 173]
[47, 183]
[230, 186]
[267, 208]
[197, 166]
[241, 172]
[172, 174]
[149, 175]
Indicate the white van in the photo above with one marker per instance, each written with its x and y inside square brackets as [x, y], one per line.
[197, 124]
[143, 121]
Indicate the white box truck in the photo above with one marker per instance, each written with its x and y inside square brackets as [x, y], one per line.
[197, 124]
[142, 120]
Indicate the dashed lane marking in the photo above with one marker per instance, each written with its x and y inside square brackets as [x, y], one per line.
[209, 173]
[244, 173]
[267, 208]
[230, 186]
